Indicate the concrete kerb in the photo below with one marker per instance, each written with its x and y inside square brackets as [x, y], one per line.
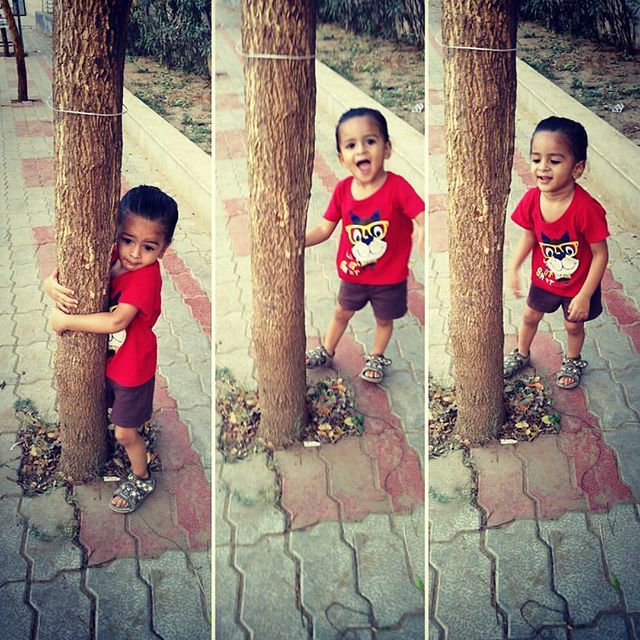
[171, 153]
[335, 95]
[613, 158]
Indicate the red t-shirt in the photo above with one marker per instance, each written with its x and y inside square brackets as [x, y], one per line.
[135, 359]
[561, 261]
[375, 242]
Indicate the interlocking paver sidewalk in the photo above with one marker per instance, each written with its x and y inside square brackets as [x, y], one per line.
[69, 567]
[550, 551]
[340, 551]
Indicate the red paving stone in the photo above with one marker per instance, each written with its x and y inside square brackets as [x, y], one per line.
[325, 173]
[435, 97]
[633, 332]
[236, 207]
[240, 235]
[37, 172]
[437, 142]
[39, 128]
[501, 485]
[549, 478]
[437, 202]
[620, 307]
[227, 101]
[231, 145]
[305, 488]
[608, 282]
[201, 311]
[438, 232]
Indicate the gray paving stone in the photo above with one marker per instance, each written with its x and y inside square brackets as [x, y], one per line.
[253, 492]
[179, 599]
[269, 605]
[630, 381]
[609, 627]
[184, 386]
[17, 617]
[463, 605]
[50, 531]
[34, 362]
[27, 299]
[523, 580]
[31, 328]
[7, 327]
[577, 566]
[329, 590]
[9, 466]
[620, 533]
[614, 346]
[406, 399]
[607, 401]
[63, 607]
[626, 443]
[122, 601]
[12, 565]
[413, 627]
[227, 597]
[383, 574]
[450, 509]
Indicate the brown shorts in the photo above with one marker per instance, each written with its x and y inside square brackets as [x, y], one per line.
[131, 406]
[546, 302]
[389, 301]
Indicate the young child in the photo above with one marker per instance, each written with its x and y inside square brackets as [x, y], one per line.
[145, 224]
[376, 208]
[566, 231]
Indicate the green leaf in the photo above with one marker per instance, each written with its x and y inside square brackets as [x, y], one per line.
[419, 583]
[615, 582]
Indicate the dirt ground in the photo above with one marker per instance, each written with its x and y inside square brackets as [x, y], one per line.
[596, 74]
[184, 99]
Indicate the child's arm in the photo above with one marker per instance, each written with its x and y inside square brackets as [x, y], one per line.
[102, 322]
[526, 243]
[579, 306]
[62, 296]
[418, 233]
[319, 233]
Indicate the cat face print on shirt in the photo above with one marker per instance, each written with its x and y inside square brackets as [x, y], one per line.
[560, 255]
[367, 237]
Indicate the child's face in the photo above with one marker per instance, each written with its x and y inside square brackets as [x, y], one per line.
[140, 242]
[553, 165]
[363, 149]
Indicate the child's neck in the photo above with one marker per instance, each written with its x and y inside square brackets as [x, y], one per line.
[554, 204]
[360, 190]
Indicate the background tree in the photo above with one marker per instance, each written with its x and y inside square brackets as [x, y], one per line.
[280, 112]
[480, 94]
[21, 67]
[88, 66]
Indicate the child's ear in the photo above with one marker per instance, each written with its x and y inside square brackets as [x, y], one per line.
[387, 149]
[578, 170]
[340, 158]
[166, 246]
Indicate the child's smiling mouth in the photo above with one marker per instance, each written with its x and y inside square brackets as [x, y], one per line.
[363, 164]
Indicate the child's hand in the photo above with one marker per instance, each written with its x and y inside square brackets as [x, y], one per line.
[513, 278]
[579, 308]
[57, 321]
[62, 296]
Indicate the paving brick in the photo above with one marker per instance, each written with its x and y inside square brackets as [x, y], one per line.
[579, 575]
[501, 485]
[227, 597]
[120, 596]
[626, 443]
[607, 401]
[612, 627]
[325, 559]
[549, 478]
[450, 489]
[353, 481]
[18, 618]
[64, 609]
[304, 483]
[524, 588]
[384, 577]
[12, 565]
[463, 605]
[270, 589]
[629, 379]
[178, 599]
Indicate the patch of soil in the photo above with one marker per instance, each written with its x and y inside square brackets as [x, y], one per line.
[181, 98]
[393, 73]
[596, 74]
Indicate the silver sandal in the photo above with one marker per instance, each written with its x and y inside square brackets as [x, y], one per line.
[318, 357]
[134, 490]
[514, 362]
[374, 364]
[571, 368]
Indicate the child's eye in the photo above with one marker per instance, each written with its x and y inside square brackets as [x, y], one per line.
[371, 141]
[126, 241]
[350, 145]
[554, 161]
[148, 247]
[535, 160]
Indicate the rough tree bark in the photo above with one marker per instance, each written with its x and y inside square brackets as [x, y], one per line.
[21, 66]
[280, 112]
[480, 92]
[88, 66]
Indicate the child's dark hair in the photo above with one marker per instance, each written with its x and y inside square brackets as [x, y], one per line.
[363, 112]
[573, 131]
[152, 204]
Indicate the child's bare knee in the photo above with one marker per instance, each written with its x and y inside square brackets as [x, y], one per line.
[126, 436]
[574, 328]
[532, 317]
[342, 314]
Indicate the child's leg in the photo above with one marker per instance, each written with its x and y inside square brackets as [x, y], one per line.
[384, 329]
[136, 449]
[528, 329]
[575, 340]
[337, 327]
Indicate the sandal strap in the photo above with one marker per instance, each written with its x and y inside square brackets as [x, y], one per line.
[319, 356]
[134, 489]
[375, 361]
[572, 367]
[514, 361]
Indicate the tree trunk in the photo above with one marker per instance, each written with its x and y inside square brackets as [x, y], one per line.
[280, 112]
[88, 67]
[21, 67]
[480, 93]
